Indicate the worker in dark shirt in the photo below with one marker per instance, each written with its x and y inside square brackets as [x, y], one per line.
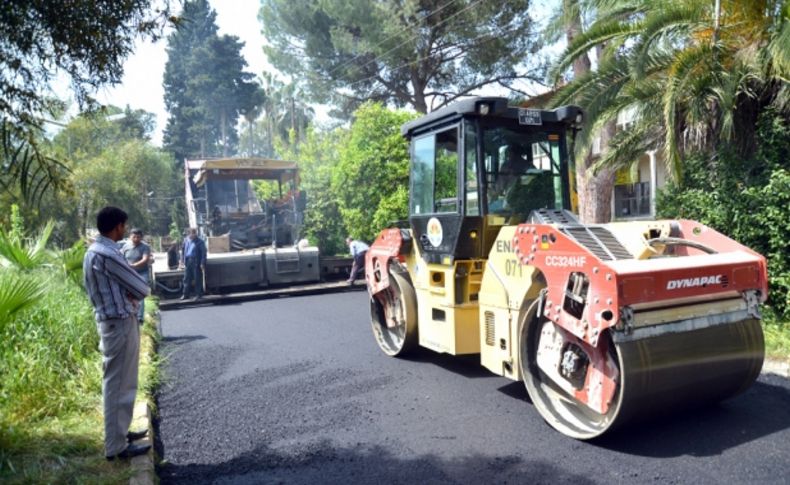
[193, 259]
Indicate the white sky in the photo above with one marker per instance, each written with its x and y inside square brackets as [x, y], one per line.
[141, 87]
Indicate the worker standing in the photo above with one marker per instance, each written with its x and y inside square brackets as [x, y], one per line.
[138, 254]
[358, 251]
[115, 289]
[193, 259]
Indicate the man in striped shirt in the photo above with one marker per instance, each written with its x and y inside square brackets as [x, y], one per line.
[115, 290]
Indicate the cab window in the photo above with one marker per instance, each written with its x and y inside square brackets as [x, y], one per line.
[522, 171]
[434, 173]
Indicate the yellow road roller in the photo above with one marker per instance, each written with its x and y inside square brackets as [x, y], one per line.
[604, 323]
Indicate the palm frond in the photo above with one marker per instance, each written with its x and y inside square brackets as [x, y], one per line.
[779, 51]
[17, 292]
[599, 33]
[71, 261]
[25, 254]
[627, 146]
[687, 63]
[665, 23]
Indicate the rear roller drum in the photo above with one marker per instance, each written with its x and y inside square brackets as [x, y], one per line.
[393, 315]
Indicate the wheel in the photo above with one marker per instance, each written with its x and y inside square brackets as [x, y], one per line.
[553, 393]
[393, 315]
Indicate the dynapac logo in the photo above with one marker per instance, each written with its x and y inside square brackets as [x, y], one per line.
[694, 282]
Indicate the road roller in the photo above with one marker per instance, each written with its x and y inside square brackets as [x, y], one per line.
[606, 324]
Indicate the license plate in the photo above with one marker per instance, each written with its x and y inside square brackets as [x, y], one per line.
[529, 117]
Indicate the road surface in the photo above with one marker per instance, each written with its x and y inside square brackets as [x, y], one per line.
[295, 390]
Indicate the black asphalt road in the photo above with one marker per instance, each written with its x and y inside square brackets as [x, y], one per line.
[295, 390]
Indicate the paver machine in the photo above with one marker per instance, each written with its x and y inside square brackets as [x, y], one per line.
[604, 323]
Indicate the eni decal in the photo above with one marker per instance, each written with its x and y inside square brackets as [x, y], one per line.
[435, 232]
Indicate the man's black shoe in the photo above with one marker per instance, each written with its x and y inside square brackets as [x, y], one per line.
[136, 435]
[130, 452]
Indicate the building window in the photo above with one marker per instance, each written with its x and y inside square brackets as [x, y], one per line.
[632, 200]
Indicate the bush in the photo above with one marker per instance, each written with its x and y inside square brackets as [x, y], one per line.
[372, 177]
[747, 199]
[49, 362]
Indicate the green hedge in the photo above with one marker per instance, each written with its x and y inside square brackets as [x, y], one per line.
[746, 199]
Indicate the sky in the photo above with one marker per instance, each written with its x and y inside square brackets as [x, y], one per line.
[141, 86]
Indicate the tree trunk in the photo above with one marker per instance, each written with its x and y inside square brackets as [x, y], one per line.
[595, 189]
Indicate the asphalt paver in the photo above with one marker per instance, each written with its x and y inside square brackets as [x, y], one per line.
[295, 390]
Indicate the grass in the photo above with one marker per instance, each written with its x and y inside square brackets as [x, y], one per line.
[777, 340]
[51, 424]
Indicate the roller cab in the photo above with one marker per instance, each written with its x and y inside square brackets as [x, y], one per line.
[605, 324]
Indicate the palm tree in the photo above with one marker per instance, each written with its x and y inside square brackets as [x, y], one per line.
[594, 187]
[694, 73]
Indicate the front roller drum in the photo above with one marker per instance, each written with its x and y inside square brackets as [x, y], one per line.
[393, 315]
[655, 375]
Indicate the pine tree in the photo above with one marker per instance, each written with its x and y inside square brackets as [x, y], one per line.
[206, 87]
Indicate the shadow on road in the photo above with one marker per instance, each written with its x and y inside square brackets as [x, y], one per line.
[463, 365]
[710, 431]
[182, 339]
[321, 462]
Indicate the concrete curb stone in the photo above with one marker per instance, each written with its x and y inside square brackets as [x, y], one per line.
[773, 366]
[143, 466]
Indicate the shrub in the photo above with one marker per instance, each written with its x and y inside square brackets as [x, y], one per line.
[747, 199]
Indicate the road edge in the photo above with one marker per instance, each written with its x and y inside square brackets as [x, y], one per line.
[775, 366]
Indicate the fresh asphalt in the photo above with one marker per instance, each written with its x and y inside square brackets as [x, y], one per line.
[295, 390]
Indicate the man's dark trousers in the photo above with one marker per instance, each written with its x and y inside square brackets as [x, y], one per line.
[193, 273]
[358, 266]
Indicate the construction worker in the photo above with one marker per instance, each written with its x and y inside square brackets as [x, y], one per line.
[358, 251]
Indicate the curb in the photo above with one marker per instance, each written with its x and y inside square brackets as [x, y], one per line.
[297, 290]
[143, 466]
[778, 367]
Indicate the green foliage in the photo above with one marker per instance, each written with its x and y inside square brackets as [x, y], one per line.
[317, 156]
[688, 89]
[284, 115]
[350, 51]
[71, 261]
[17, 251]
[372, 176]
[17, 292]
[747, 199]
[88, 44]
[17, 231]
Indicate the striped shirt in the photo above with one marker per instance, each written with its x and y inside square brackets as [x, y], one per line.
[111, 283]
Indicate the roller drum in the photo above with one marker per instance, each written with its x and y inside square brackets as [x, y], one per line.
[687, 369]
[661, 368]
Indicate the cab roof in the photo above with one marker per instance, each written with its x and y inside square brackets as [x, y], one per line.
[490, 106]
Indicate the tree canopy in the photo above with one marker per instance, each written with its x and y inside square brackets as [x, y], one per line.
[694, 79]
[206, 86]
[87, 40]
[418, 53]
